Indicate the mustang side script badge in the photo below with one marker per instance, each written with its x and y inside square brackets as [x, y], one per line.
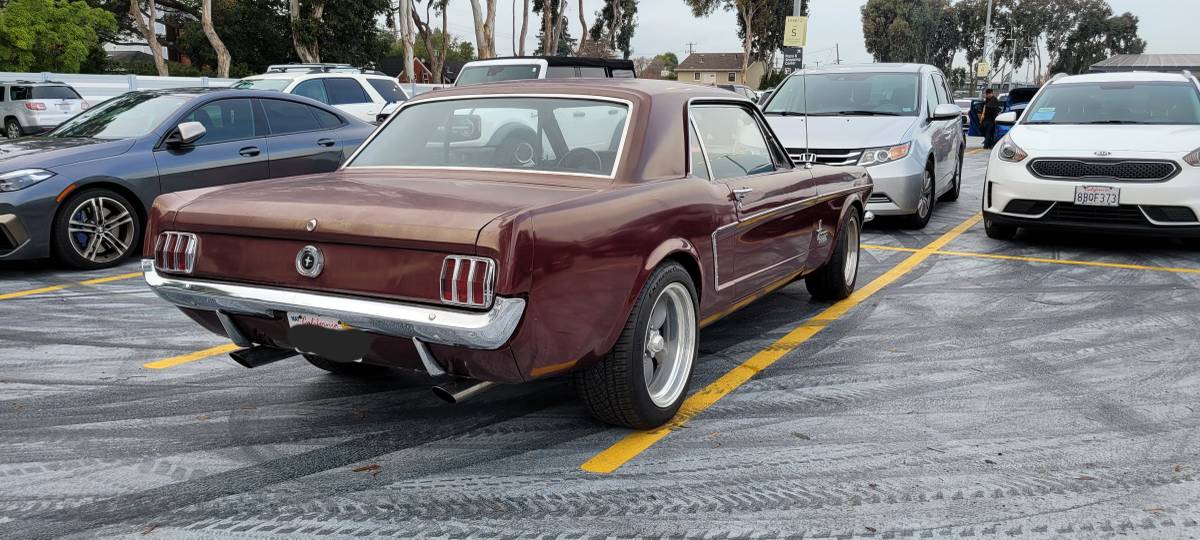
[310, 261]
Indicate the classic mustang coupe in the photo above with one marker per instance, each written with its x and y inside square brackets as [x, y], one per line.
[515, 232]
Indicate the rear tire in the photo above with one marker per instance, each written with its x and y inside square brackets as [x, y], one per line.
[644, 379]
[997, 231]
[925, 206]
[346, 369]
[96, 228]
[835, 280]
[12, 129]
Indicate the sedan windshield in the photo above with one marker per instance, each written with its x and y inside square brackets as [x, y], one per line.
[263, 84]
[1117, 103]
[846, 94]
[127, 116]
[563, 135]
[487, 74]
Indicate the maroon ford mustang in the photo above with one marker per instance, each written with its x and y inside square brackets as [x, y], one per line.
[509, 232]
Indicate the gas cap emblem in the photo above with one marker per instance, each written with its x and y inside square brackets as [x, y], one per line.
[310, 261]
[312, 225]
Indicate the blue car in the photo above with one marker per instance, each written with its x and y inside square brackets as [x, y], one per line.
[82, 192]
[1018, 99]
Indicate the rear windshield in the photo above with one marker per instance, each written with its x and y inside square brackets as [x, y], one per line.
[54, 92]
[486, 74]
[562, 135]
[1117, 103]
[847, 94]
[263, 84]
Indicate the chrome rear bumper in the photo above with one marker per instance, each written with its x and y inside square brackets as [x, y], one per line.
[488, 330]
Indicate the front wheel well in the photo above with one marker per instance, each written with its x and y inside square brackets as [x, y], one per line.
[138, 208]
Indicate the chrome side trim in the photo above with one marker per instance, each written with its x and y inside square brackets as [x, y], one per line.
[487, 330]
[804, 203]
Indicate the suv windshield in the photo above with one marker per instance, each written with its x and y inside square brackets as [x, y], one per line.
[847, 94]
[564, 135]
[487, 74]
[131, 115]
[1117, 103]
[263, 84]
[54, 92]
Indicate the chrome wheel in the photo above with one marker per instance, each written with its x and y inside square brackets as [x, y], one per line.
[850, 269]
[101, 229]
[670, 345]
[925, 203]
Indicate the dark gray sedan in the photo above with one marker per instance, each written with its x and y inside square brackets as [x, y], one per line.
[82, 191]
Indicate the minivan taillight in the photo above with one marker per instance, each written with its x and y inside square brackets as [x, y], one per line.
[34, 106]
[468, 281]
[176, 252]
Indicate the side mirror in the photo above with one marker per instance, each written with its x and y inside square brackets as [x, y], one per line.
[1009, 118]
[946, 111]
[186, 133]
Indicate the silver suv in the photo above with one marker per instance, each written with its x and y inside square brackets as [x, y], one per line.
[28, 108]
[898, 120]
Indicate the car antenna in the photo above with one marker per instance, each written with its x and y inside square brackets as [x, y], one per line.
[808, 157]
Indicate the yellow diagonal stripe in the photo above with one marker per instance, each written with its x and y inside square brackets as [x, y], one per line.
[52, 288]
[191, 357]
[635, 443]
[32, 292]
[110, 279]
[1043, 260]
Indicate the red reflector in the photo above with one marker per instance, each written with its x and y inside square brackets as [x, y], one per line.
[176, 252]
[467, 281]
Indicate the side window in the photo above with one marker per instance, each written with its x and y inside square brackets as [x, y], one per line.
[931, 98]
[593, 72]
[939, 84]
[697, 165]
[312, 88]
[327, 119]
[696, 76]
[287, 117]
[345, 92]
[20, 93]
[388, 89]
[622, 73]
[3, 92]
[735, 142]
[224, 120]
[560, 72]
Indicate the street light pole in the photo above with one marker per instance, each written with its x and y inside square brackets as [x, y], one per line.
[987, 36]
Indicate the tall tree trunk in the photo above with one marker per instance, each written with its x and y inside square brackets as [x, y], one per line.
[437, 56]
[407, 35]
[583, 32]
[441, 64]
[616, 24]
[485, 28]
[547, 26]
[747, 11]
[218, 46]
[149, 33]
[559, 21]
[524, 28]
[308, 52]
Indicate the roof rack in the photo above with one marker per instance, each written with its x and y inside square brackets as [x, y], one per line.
[1056, 77]
[318, 68]
[1188, 73]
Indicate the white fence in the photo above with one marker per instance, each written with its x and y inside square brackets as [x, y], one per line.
[97, 88]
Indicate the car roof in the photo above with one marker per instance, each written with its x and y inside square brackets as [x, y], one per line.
[292, 75]
[1125, 76]
[869, 68]
[635, 90]
[34, 83]
[611, 63]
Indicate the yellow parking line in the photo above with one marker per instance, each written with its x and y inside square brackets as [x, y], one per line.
[1044, 260]
[191, 357]
[976, 151]
[52, 288]
[637, 442]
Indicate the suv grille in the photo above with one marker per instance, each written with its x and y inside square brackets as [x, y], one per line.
[1116, 215]
[837, 158]
[1137, 171]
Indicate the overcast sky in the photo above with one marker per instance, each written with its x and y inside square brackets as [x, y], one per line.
[668, 25]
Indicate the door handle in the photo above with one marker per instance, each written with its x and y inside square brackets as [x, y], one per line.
[740, 193]
[249, 151]
[325, 142]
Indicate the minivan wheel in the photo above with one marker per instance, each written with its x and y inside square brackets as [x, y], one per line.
[12, 129]
[644, 379]
[96, 228]
[924, 211]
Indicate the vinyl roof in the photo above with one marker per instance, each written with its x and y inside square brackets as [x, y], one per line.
[1149, 62]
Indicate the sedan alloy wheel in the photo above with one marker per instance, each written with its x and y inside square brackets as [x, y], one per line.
[101, 229]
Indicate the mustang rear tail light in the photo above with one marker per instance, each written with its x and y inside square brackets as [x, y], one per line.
[35, 106]
[468, 281]
[176, 252]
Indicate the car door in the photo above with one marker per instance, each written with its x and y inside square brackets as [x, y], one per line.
[232, 150]
[942, 131]
[773, 234]
[303, 139]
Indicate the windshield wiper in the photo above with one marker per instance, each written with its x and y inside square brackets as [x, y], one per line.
[784, 113]
[1117, 122]
[865, 113]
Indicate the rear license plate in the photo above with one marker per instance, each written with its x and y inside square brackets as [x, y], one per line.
[65, 107]
[328, 323]
[1097, 196]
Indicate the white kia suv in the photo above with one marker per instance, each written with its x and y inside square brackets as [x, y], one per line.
[360, 93]
[1115, 153]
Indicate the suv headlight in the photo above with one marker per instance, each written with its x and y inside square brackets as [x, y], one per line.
[1010, 152]
[18, 180]
[887, 154]
[1193, 158]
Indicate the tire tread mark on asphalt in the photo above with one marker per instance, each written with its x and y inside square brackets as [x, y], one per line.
[133, 507]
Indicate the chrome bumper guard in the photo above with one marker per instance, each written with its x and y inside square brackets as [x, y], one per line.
[488, 330]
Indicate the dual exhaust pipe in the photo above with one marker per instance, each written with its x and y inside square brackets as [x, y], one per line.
[453, 391]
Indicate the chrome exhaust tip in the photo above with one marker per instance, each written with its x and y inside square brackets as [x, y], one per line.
[459, 390]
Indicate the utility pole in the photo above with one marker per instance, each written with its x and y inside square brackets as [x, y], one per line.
[987, 36]
[691, 48]
[837, 53]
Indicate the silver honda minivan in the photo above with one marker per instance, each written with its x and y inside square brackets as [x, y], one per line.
[898, 120]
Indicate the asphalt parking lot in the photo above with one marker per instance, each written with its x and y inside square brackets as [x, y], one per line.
[1045, 387]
